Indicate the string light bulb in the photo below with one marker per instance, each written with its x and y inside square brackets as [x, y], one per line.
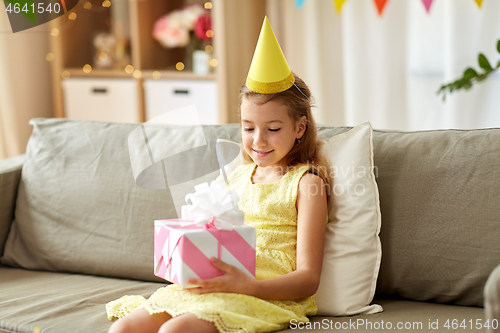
[87, 5]
[103, 56]
[156, 75]
[87, 68]
[137, 74]
[54, 32]
[179, 66]
[72, 16]
[214, 62]
[129, 69]
[49, 56]
[208, 5]
[106, 3]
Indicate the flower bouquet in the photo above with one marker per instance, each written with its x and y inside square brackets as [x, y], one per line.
[189, 27]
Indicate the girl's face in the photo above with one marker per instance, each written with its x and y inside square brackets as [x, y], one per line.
[268, 133]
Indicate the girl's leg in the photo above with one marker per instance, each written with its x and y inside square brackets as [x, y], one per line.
[139, 321]
[187, 323]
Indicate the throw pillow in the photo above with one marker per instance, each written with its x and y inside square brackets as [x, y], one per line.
[353, 251]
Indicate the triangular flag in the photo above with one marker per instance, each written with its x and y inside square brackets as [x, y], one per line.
[380, 5]
[299, 3]
[479, 3]
[338, 5]
[427, 4]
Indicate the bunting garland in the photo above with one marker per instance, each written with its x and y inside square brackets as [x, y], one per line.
[427, 4]
[338, 5]
[299, 3]
[379, 4]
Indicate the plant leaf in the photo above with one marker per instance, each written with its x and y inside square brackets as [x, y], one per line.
[463, 82]
[483, 62]
[470, 73]
[481, 77]
[498, 46]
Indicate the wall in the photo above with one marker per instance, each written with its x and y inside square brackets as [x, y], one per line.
[310, 38]
[25, 83]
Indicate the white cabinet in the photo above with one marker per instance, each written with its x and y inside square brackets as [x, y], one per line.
[162, 96]
[101, 99]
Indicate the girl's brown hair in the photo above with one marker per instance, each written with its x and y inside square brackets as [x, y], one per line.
[308, 151]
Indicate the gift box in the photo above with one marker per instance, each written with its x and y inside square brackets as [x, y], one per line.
[211, 226]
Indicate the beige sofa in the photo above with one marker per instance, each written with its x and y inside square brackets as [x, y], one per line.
[76, 231]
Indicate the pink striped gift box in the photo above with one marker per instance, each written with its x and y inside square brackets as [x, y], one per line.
[183, 250]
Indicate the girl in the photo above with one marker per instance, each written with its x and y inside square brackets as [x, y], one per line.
[283, 193]
[283, 189]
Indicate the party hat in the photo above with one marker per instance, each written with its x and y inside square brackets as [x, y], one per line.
[269, 72]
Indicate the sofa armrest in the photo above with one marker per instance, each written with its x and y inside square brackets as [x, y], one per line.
[492, 300]
[10, 174]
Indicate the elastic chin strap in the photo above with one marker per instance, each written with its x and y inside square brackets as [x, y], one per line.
[300, 90]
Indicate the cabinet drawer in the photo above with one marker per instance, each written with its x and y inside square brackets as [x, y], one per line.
[101, 99]
[162, 96]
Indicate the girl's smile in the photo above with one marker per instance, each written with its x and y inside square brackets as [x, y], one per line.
[262, 153]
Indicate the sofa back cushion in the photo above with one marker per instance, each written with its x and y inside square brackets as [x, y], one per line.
[78, 207]
[440, 194]
[10, 173]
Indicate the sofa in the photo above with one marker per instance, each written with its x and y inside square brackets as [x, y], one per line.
[77, 232]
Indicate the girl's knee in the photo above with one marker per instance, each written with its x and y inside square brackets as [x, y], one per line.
[120, 326]
[187, 323]
[140, 321]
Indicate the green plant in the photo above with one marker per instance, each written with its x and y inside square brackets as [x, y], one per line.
[470, 76]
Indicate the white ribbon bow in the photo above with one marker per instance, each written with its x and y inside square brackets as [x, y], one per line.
[213, 203]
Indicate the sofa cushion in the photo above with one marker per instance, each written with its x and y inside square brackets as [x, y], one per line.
[403, 316]
[58, 302]
[10, 173]
[61, 303]
[78, 207]
[353, 251]
[439, 193]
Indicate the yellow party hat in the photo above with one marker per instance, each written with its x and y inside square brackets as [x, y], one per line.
[269, 72]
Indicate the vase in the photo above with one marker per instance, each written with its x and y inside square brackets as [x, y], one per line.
[201, 62]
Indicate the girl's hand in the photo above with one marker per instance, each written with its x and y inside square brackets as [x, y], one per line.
[234, 280]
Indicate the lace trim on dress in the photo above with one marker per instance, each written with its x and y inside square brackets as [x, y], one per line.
[215, 318]
[123, 306]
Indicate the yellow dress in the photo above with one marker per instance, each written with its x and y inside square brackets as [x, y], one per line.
[270, 208]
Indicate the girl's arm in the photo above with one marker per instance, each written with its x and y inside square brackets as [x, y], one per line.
[304, 281]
